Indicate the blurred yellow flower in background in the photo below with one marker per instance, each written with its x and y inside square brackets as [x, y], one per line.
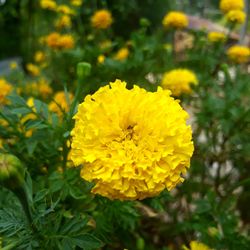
[216, 37]
[132, 143]
[5, 90]
[66, 42]
[236, 16]
[195, 245]
[105, 44]
[61, 102]
[179, 81]
[48, 4]
[175, 19]
[63, 22]
[76, 3]
[227, 5]
[33, 69]
[52, 40]
[102, 19]
[39, 57]
[238, 53]
[101, 59]
[122, 54]
[13, 65]
[65, 9]
[58, 41]
[44, 89]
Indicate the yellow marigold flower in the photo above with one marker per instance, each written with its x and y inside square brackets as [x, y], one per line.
[122, 54]
[39, 57]
[63, 22]
[33, 69]
[227, 5]
[101, 19]
[175, 19]
[44, 89]
[48, 4]
[66, 42]
[60, 103]
[52, 40]
[215, 37]
[101, 59]
[179, 81]
[132, 143]
[57, 41]
[195, 245]
[13, 65]
[236, 16]
[238, 53]
[64, 9]
[76, 3]
[5, 88]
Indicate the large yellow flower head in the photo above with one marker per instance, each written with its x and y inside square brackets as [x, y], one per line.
[195, 245]
[179, 81]
[227, 5]
[236, 16]
[101, 19]
[216, 37]
[175, 19]
[5, 88]
[238, 53]
[132, 143]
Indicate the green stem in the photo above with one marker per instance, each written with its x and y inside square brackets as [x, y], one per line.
[21, 195]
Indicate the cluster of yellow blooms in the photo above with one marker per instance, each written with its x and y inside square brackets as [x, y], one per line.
[58, 41]
[39, 88]
[195, 245]
[6, 89]
[238, 53]
[234, 10]
[179, 81]
[175, 19]
[102, 19]
[215, 37]
[64, 9]
[61, 103]
[121, 151]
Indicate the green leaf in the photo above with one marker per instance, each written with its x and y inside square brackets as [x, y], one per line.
[87, 242]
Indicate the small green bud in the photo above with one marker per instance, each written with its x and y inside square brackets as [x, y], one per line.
[224, 67]
[83, 69]
[140, 243]
[144, 22]
[12, 171]
[213, 231]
